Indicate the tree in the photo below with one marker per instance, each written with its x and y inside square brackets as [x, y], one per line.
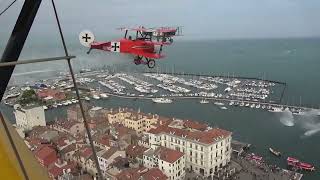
[28, 97]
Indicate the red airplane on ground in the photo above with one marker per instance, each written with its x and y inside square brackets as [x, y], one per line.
[142, 46]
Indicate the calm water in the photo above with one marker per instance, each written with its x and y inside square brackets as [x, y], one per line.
[294, 61]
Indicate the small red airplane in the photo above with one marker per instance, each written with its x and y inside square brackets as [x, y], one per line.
[143, 46]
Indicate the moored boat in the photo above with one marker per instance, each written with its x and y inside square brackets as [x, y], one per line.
[162, 100]
[295, 163]
[277, 153]
[219, 103]
[104, 95]
[204, 101]
[95, 97]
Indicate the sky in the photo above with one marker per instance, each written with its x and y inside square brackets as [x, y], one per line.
[204, 19]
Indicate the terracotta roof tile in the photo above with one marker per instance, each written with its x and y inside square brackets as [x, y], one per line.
[44, 151]
[195, 125]
[109, 152]
[130, 174]
[135, 151]
[168, 155]
[154, 173]
[206, 137]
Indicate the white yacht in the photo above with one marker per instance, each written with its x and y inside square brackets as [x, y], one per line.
[276, 109]
[87, 98]
[258, 106]
[73, 100]
[299, 112]
[224, 108]
[69, 102]
[253, 105]
[231, 103]
[45, 107]
[95, 97]
[162, 100]
[104, 95]
[204, 101]
[219, 103]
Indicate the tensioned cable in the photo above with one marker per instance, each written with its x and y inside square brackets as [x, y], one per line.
[2, 12]
[78, 94]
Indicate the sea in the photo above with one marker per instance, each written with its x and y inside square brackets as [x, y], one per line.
[293, 61]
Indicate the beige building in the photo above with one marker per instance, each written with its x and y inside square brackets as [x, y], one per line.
[170, 162]
[206, 151]
[140, 122]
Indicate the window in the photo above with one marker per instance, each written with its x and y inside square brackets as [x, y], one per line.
[196, 146]
[201, 148]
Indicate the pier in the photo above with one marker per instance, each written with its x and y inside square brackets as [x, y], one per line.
[208, 98]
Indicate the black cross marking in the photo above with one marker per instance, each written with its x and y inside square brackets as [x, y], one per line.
[86, 37]
[115, 46]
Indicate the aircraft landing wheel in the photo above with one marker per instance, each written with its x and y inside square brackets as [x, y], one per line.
[151, 63]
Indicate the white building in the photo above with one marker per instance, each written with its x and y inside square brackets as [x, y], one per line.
[106, 157]
[170, 162]
[206, 151]
[28, 117]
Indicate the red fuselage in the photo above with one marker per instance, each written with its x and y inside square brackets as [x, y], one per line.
[135, 47]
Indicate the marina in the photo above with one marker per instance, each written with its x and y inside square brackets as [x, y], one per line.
[166, 88]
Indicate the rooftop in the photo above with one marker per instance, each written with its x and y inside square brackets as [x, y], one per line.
[109, 153]
[207, 137]
[154, 174]
[130, 174]
[44, 151]
[165, 154]
[135, 150]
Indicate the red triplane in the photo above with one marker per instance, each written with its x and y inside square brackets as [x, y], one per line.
[142, 47]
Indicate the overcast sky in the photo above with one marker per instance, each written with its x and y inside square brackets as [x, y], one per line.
[213, 19]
